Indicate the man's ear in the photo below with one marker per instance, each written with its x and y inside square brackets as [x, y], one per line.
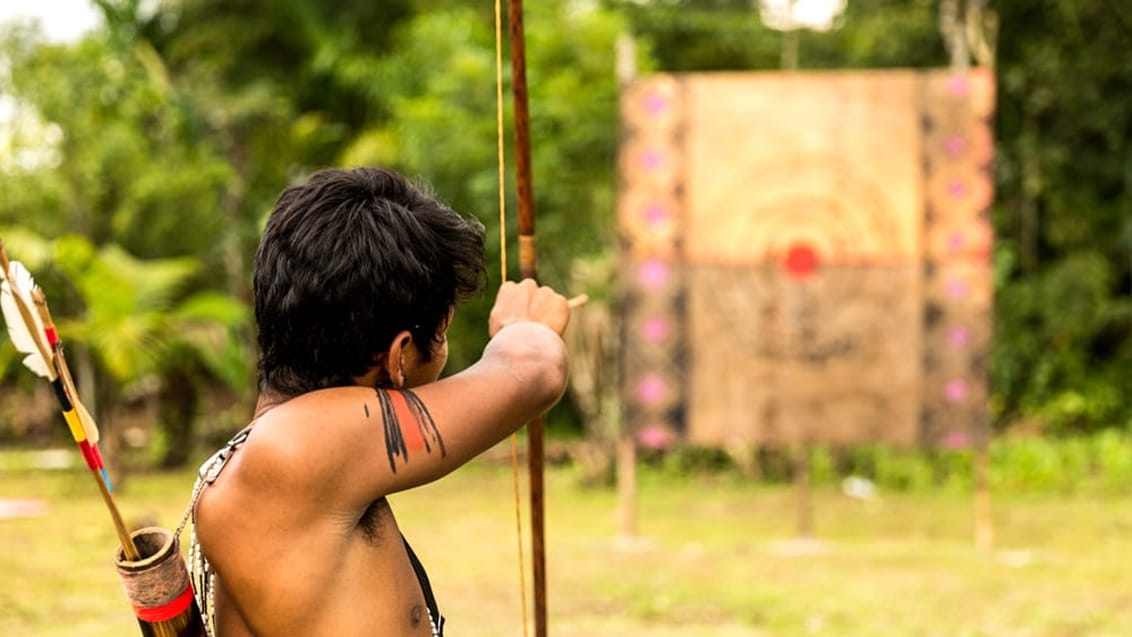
[394, 358]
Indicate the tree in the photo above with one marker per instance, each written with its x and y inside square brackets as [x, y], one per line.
[138, 324]
[411, 85]
[1064, 217]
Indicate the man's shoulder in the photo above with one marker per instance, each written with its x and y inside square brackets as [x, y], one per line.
[309, 416]
[284, 458]
[305, 436]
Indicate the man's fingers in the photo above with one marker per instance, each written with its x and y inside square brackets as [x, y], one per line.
[578, 301]
[526, 300]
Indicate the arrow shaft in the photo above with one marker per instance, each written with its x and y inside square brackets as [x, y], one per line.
[46, 341]
[81, 430]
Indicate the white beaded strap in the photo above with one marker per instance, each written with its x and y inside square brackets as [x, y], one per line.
[208, 474]
[201, 570]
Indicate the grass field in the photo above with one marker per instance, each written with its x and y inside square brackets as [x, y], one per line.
[714, 557]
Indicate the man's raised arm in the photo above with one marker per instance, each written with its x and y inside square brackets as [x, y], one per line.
[361, 443]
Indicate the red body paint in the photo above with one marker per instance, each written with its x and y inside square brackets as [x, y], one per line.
[410, 428]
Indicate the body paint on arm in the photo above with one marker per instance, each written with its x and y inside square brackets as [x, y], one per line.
[407, 425]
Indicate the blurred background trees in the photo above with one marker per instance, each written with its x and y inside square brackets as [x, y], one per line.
[142, 160]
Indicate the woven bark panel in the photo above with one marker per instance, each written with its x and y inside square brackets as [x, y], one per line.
[826, 247]
[650, 217]
[958, 153]
[651, 165]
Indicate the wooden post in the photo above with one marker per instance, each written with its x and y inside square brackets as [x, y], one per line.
[804, 490]
[626, 68]
[984, 521]
[626, 485]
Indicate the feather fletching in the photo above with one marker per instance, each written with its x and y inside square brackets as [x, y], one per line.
[28, 339]
[87, 420]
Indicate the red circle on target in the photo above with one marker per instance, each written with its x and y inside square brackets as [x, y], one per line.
[801, 261]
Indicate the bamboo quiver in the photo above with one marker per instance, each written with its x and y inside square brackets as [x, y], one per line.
[158, 586]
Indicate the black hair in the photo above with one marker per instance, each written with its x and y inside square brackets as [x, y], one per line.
[349, 259]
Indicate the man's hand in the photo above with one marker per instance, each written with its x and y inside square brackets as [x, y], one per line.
[528, 301]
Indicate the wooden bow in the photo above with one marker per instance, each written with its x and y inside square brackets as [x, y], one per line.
[528, 260]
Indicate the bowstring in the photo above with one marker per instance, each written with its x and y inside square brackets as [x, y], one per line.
[501, 160]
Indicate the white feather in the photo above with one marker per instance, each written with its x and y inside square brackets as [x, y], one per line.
[28, 339]
[87, 420]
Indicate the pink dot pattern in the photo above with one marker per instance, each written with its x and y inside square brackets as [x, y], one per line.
[958, 336]
[655, 103]
[656, 329]
[654, 274]
[651, 389]
[955, 391]
[955, 145]
[655, 214]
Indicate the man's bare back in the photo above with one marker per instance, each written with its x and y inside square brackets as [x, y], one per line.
[308, 569]
[297, 528]
[357, 278]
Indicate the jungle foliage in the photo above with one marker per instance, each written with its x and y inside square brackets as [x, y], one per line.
[171, 130]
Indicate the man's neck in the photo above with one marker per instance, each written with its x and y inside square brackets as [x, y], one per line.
[267, 399]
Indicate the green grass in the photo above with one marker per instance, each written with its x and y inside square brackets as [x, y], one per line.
[712, 559]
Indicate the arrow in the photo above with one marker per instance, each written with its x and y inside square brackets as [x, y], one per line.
[34, 334]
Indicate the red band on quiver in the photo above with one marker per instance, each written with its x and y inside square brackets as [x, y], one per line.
[168, 611]
[157, 585]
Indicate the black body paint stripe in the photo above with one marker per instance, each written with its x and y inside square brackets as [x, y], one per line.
[425, 422]
[391, 426]
[394, 440]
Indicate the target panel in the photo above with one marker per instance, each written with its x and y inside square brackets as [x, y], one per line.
[807, 256]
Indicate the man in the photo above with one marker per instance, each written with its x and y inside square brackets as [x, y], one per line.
[356, 280]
